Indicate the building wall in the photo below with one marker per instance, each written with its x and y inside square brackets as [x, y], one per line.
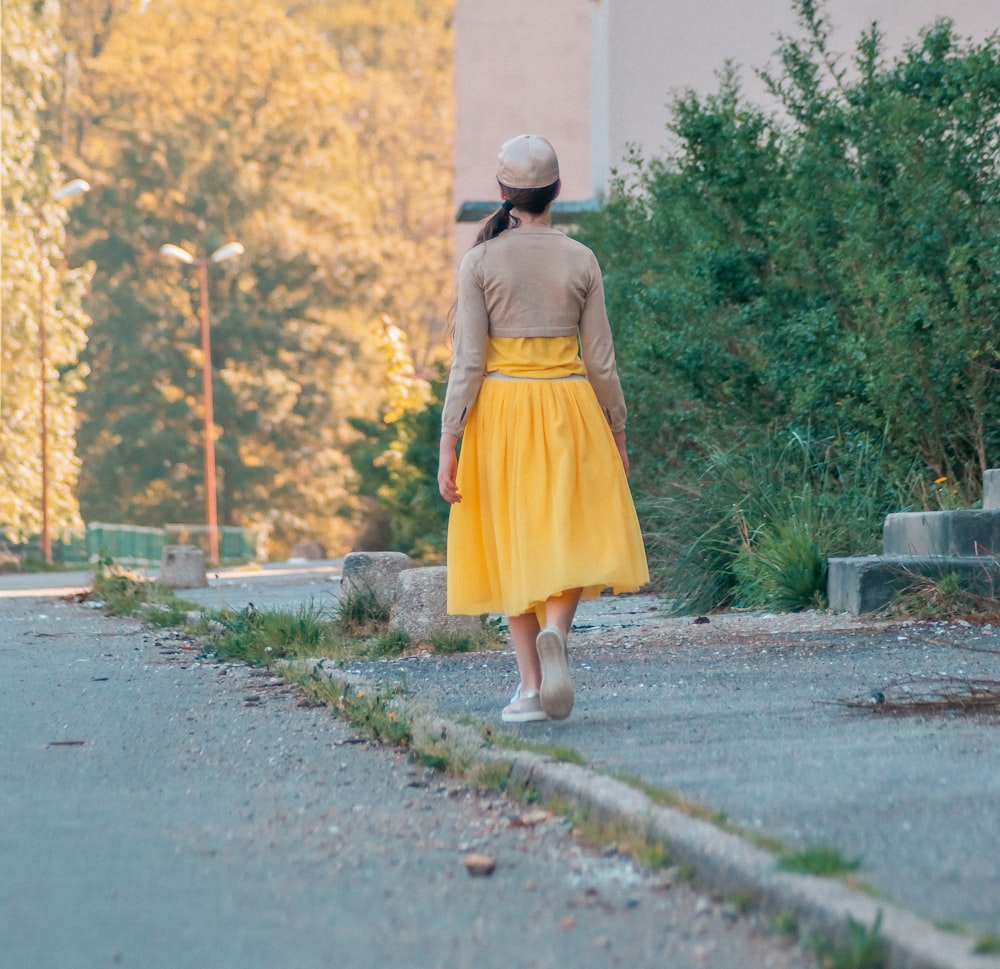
[521, 67]
[660, 48]
[596, 76]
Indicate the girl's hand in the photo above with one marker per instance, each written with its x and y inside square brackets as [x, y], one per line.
[447, 468]
[622, 451]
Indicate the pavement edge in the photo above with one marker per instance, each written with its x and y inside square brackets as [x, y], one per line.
[724, 863]
[728, 865]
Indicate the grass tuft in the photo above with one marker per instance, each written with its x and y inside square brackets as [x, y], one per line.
[865, 948]
[642, 844]
[169, 615]
[765, 517]
[947, 596]
[371, 711]
[360, 613]
[562, 755]
[821, 860]
[124, 591]
[780, 567]
[390, 643]
[260, 637]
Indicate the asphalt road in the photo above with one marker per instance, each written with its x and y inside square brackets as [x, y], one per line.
[750, 722]
[161, 812]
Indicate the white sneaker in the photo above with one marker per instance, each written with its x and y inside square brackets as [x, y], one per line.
[524, 708]
[557, 688]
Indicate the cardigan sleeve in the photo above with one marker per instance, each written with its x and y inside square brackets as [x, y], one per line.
[598, 352]
[469, 352]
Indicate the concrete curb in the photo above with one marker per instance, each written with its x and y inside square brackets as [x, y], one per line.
[724, 863]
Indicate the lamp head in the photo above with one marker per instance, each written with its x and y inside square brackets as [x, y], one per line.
[77, 187]
[176, 252]
[229, 251]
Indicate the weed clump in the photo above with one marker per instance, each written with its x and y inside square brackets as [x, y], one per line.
[821, 860]
[987, 944]
[361, 613]
[371, 711]
[948, 596]
[123, 591]
[864, 949]
[260, 637]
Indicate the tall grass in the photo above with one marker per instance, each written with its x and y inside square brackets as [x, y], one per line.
[759, 523]
[262, 636]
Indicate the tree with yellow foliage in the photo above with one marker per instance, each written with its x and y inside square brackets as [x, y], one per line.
[42, 329]
[319, 136]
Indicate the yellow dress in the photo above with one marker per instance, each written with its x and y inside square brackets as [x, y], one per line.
[545, 503]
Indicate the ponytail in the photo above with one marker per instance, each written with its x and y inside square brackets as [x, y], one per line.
[533, 200]
[499, 221]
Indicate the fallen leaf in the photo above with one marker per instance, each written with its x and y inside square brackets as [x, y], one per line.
[530, 820]
[480, 864]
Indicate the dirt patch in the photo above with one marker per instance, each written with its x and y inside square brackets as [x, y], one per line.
[734, 626]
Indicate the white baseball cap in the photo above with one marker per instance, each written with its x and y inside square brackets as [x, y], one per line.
[527, 161]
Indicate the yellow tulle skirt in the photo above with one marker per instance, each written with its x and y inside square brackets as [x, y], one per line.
[545, 503]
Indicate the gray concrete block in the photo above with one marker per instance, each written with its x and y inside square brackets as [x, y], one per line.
[311, 551]
[183, 567]
[957, 533]
[421, 605]
[868, 583]
[374, 573]
[991, 489]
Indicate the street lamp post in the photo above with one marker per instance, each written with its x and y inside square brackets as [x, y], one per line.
[228, 251]
[76, 187]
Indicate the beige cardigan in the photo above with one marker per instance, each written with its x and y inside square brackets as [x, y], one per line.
[530, 281]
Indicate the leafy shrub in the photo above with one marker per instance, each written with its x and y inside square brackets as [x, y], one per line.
[396, 467]
[832, 266]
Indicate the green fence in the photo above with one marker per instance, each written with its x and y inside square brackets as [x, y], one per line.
[129, 544]
[133, 544]
[235, 544]
[66, 551]
[137, 545]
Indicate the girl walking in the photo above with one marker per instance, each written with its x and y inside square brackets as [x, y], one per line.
[541, 514]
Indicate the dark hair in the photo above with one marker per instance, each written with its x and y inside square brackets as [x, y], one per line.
[533, 200]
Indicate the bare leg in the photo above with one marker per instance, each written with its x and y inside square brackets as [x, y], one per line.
[560, 609]
[523, 632]
[524, 629]
[556, 692]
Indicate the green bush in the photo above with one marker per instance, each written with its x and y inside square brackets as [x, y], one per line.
[396, 468]
[837, 265]
[833, 265]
